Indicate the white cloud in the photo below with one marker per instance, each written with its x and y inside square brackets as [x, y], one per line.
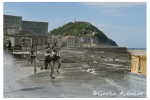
[9, 10]
[112, 8]
[113, 4]
[112, 12]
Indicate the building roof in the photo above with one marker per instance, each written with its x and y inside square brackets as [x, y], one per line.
[34, 21]
[12, 16]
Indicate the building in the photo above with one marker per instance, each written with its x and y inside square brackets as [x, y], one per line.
[12, 24]
[85, 41]
[138, 62]
[32, 27]
[73, 41]
[24, 34]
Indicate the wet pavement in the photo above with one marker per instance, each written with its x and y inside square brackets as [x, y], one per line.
[84, 74]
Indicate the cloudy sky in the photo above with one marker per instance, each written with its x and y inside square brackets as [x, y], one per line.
[123, 22]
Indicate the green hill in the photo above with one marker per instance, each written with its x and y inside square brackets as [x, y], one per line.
[83, 29]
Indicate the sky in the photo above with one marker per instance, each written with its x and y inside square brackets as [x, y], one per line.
[123, 22]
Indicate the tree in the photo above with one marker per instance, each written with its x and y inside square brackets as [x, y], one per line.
[82, 29]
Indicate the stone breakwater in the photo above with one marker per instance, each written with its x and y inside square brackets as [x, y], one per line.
[107, 49]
